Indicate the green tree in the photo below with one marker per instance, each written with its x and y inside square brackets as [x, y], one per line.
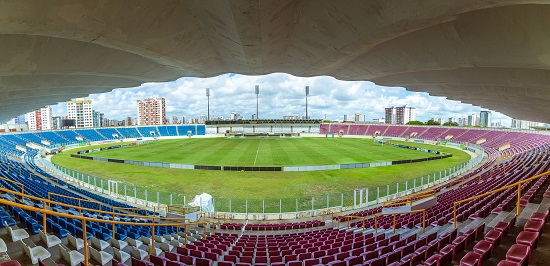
[451, 124]
[415, 122]
[431, 122]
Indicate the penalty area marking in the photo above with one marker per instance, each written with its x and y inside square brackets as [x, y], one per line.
[257, 151]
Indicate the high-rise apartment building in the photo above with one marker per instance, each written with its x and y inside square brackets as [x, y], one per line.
[400, 115]
[523, 124]
[56, 122]
[202, 119]
[473, 120]
[81, 111]
[151, 111]
[40, 119]
[98, 119]
[485, 118]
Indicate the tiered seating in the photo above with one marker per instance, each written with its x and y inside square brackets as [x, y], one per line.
[147, 130]
[454, 132]
[357, 129]
[433, 133]
[489, 136]
[329, 246]
[70, 135]
[284, 226]
[130, 132]
[232, 226]
[470, 136]
[413, 130]
[376, 128]
[166, 131]
[52, 137]
[395, 131]
[90, 135]
[29, 137]
[108, 133]
[14, 140]
[325, 246]
[336, 128]
[442, 212]
[205, 251]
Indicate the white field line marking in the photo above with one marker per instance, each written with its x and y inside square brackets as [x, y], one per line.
[257, 151]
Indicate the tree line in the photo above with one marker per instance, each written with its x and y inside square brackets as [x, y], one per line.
[432, 122]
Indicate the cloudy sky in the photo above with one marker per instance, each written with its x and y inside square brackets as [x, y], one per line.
[280, 94]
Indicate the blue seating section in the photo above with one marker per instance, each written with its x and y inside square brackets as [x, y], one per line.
[201, 130]
[90, 135]
[41, 186]
[29, 137]
[182, 130]
[14, 140]
[129, 132]
[146, 131]
[108, 132]
[70, 135]
[36, 186]
[167, 131]
[51, 136]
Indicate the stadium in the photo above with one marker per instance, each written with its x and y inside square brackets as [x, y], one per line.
[309, 192]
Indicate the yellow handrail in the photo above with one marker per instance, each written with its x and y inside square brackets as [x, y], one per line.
[351, 217]
[15, 182]
[221, 215]
[84, 219]
[82, 208]
[79, 200]
[518, 184]
[331, 212]
[394, 219]
[181, 209]
[410, 199]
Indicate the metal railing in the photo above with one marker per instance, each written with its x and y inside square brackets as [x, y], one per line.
[410, 199]
[395, 219]
[17, 183]
[351, 217]
[83, 219]
[518, 184]
[348, 200]
[78, 199]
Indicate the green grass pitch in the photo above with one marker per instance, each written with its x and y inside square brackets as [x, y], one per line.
[263, 152]
[257, 185]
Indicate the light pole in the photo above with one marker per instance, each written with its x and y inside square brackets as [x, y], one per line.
[257, 93]
[208, 96]
[307, 94]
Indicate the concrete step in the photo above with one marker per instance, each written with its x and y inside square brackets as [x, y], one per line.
[465, 224]
[526, 213]
[410, 232]
[492, 220]
[544, 205]
[472, 224]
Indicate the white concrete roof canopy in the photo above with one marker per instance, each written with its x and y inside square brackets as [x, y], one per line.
[494, 54]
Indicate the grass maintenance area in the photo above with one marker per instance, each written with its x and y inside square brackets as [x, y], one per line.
[261, 152]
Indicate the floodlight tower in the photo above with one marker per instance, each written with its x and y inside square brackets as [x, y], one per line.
[208, 97]
[307, 94]
[257, 91]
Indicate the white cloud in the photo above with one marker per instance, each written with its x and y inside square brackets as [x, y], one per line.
[280, 94]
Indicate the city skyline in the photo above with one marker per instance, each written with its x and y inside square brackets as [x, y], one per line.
[281, 95]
